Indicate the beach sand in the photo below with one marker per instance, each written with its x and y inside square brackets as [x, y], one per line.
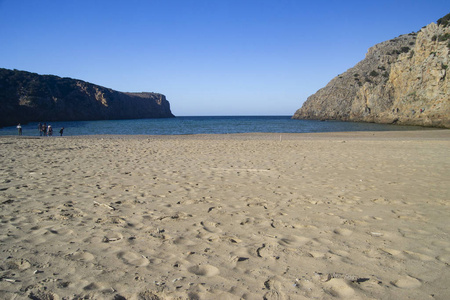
[360, 215]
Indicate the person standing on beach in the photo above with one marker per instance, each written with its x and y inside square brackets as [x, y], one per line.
[19, 128]
[50, 130]
[40, 129]
[44, 129]
[61, 131]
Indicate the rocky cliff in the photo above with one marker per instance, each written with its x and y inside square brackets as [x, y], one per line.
[404, 80]
[29, 97]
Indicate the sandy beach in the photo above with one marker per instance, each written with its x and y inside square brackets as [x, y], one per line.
[359, 215]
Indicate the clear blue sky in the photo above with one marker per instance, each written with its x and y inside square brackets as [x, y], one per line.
[208, 57]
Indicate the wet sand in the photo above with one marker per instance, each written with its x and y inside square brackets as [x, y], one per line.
[360, 215]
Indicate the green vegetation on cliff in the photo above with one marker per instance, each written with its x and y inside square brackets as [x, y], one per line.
[444, 21]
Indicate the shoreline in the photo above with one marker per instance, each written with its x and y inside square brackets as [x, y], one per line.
[359, 215]
[435, 133]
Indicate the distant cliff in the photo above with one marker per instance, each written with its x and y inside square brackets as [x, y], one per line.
[404, 81]
[29, 97]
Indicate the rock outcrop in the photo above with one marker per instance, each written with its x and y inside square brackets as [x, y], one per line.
[405, 80]
[29, 97]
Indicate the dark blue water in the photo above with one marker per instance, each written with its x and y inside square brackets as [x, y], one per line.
[197, 125]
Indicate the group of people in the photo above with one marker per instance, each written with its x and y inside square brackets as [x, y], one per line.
[44, 130]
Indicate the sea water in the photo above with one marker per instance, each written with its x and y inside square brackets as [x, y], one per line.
[202, 125]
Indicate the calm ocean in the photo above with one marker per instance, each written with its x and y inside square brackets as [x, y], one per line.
[197, 125]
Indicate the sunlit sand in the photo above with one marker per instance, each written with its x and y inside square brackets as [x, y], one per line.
[361, 215]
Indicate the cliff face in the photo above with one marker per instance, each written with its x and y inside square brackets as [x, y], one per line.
[28, 97]
[404, 81]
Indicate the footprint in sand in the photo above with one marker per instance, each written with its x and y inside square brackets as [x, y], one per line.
[183, 241]
[211, 237]
[311, 290]
[441, 244]
[204, 270]
[339, 287]
[275, 288]
[381, 201]
[419, 256]
[18, 264]
[211, 227]
[444, 258]
[393, 252]
[93, 286]
[40, 294]
[267, 251]
[82, 255]
[316, 254]
[343, 231]
[294, 241]
[238, 256]
[59, 231]
[132, 258]
[112, 237]
[407, 282]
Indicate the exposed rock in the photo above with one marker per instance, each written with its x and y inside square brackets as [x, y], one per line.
[29, 97]
[404, 80]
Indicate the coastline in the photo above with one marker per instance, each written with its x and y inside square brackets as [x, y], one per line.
[427, 133]
[207, 125]
[360, 215]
